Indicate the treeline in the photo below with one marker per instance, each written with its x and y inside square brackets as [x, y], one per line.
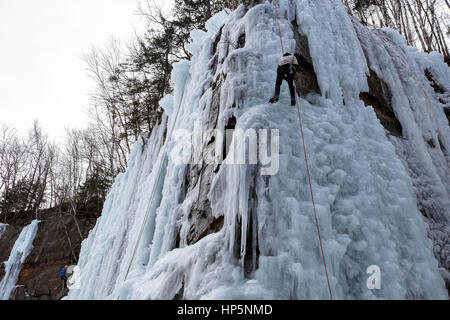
[424, 23]
[37, 173]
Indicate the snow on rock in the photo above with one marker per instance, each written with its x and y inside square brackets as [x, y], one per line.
[19, 253]
[229, 231]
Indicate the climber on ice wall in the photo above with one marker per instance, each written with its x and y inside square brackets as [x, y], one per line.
[287, 68]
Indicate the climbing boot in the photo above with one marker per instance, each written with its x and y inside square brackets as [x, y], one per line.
[273, 99]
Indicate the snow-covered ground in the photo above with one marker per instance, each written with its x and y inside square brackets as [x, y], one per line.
[19, 253]
[365, 195]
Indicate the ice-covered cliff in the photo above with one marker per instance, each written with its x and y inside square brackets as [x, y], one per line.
[175, 227]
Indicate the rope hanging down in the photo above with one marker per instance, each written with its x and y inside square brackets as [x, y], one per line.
[155, 184]
[306, 160]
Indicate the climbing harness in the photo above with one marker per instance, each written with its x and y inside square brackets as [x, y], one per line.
[155, 184]
[306, 160]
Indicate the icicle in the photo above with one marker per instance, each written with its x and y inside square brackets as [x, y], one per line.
[19, 253]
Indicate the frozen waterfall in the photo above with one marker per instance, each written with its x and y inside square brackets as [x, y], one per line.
[227, 231]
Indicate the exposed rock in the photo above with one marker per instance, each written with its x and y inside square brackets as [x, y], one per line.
[251, 253]
[440, 94]
[2, 271]
[433, 83]
[201, 219]
[241, 41]
[306, 78]
[447, 113]
[251, 258]
[380, 98]
[19, 293]
[231, 124]
[179, 295]
[216, 41]
[56, 244]
[202, 222]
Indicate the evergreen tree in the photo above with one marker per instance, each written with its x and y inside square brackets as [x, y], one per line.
[16, 199]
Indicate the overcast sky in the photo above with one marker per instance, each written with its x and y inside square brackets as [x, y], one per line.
[42, 75]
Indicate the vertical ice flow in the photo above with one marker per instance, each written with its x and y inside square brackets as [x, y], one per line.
[366, 198]
[19, 253]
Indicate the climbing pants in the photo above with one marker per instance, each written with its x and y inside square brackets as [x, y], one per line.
[284, 73]
[64, 278]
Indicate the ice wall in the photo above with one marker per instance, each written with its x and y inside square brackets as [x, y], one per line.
[265, 245]
[19, 253]
[426, 132]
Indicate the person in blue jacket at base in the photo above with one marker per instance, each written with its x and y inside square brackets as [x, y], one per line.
[63, 276]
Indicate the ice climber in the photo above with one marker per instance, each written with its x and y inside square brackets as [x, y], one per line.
[63, 276]
[287, 68]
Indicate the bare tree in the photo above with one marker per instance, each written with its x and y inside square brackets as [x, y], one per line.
[424, 23]
[12, 155]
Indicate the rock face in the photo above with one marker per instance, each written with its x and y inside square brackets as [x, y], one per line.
[56, 244]
[380, 99]
[306, 78]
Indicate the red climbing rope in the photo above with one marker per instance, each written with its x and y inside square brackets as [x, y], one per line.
[306, 161]
[279, 27]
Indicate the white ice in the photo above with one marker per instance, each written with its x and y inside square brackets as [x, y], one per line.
[366, 201]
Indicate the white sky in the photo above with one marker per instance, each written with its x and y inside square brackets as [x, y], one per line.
[42, 75]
